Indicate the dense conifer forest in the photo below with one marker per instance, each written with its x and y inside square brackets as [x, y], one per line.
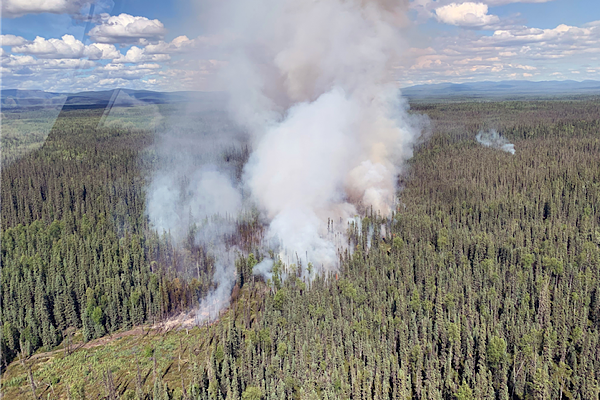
[484, 283]
[76, 249]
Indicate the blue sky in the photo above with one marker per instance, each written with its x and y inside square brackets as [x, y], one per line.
[171, 45]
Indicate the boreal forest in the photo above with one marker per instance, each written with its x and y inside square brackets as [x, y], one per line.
[483, 284]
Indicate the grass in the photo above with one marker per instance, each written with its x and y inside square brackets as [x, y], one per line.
[57, 373]
[179, 355]
[24, 132]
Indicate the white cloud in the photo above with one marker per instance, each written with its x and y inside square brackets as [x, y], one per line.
[149, 66]
[18, 8]
[177, 45]
[13, 62]
[182, 44]
[18, 61]
[560, 34]
[516, 53]
[511, 52]
[466, 14]
[426, 8]
[137, 55]
[192, 75]
[89, 82]
[67, 64]
[525, 67]
[67, 47]
[12, 40]
[71, 75]
[102, 51]
[121, 67]
[125, 28]
[503, 2]
[128, 71]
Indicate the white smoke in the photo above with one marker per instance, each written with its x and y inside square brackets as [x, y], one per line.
[313, 83]
[494, 140]
[264, 268]
[194, 190]
[174, 205]
[212, 238]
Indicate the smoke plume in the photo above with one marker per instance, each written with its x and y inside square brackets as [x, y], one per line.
[195, 191]
[495, 140]
[264, 268]
[312, 84]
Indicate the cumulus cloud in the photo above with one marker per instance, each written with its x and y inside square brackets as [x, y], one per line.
[192, 75]
[129, 72]
[472, 15]
[562, 33]
[425, 9]
[72, 75]
[178, 45]
[125, 28]
[90, 82]
[511, 52]
[18, 61]
[13, 63]
[102, 51]
[503, 2]
[12, 40]
[47, 64]
[518, 52]
[182, 44]
[136, 55]
[18, 8]
[67, 47]
[67, 64]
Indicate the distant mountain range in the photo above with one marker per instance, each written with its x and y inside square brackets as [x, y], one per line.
[502, 89]
[34, 99]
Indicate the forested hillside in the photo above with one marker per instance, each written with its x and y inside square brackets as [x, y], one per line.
[77, 252]
[484, 284]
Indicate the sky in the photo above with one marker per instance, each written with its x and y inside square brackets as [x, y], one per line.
[79, 45]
